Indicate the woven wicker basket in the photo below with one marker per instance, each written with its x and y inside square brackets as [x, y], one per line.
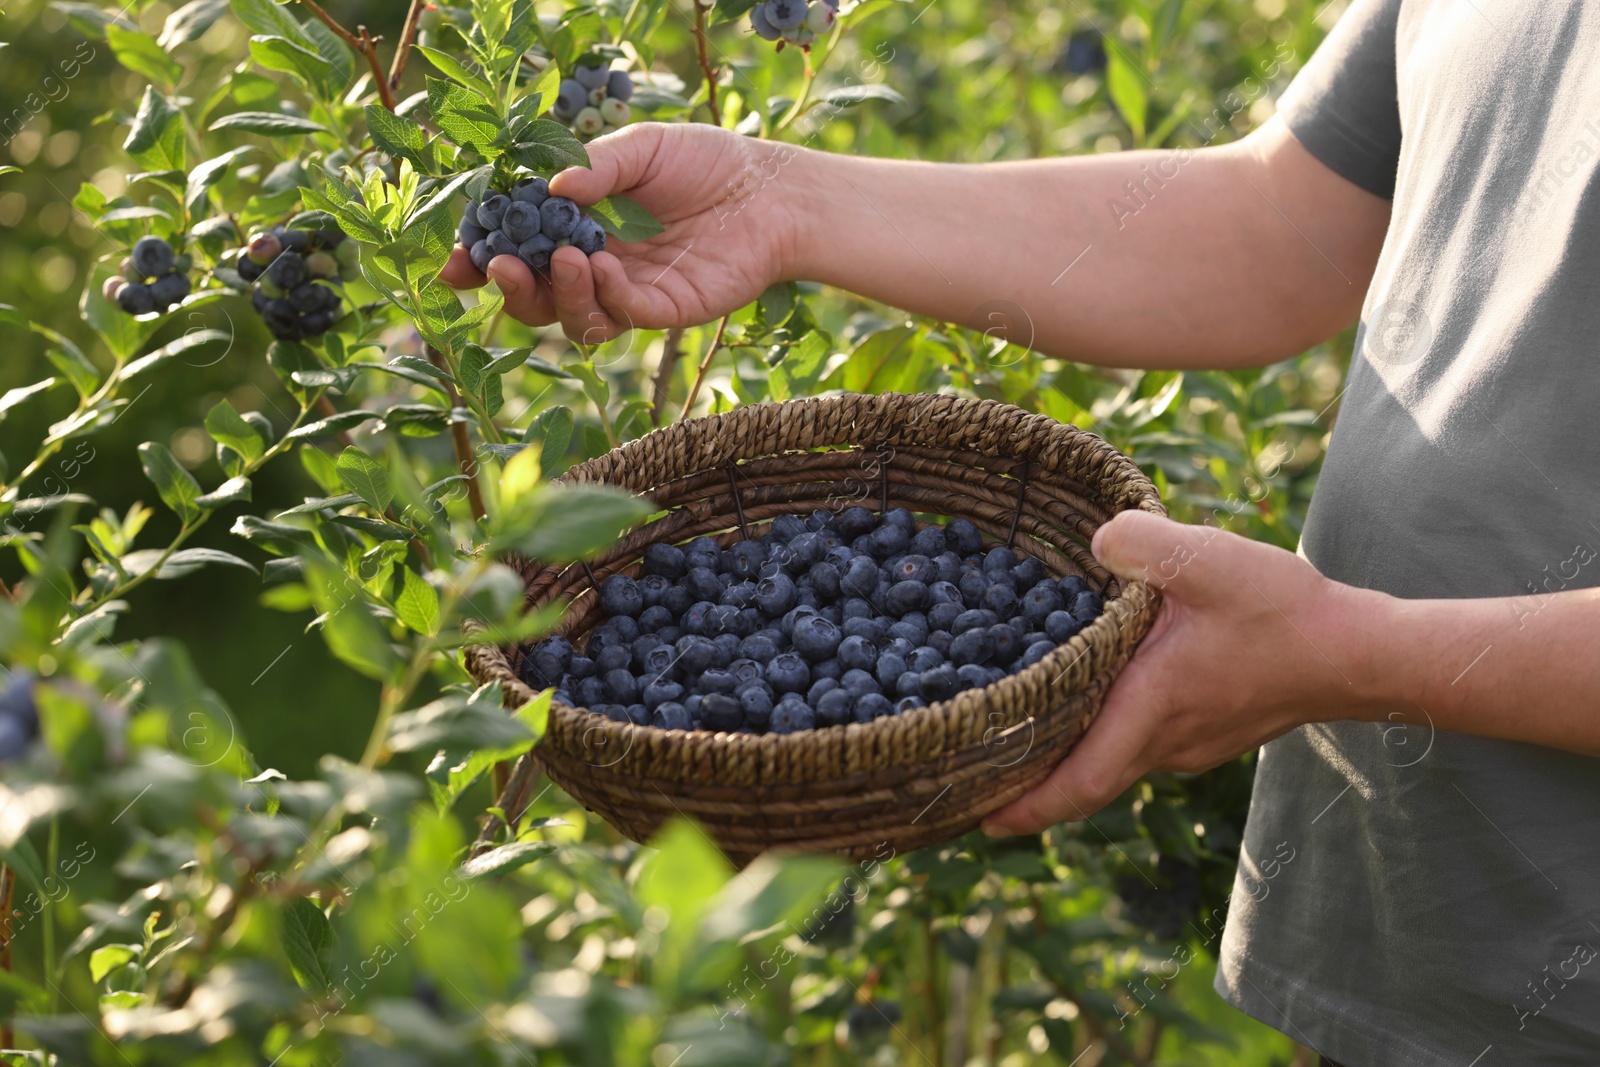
[900, 782]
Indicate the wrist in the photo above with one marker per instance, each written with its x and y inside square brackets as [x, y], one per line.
[795, 177]
[1367, 633]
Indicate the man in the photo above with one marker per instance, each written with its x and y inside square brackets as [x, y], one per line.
[1422, 676]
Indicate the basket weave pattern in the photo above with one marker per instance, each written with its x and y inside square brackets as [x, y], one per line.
[902, 781]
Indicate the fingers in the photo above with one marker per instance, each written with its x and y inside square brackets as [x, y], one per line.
[1107, 760]
[576, 303]
[459, 273]
[526, 299]
[1137, 544]
[617, 163]
[637, 306]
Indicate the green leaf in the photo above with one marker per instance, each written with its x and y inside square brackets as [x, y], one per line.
[268, 124]
[417, 363]
[209, 173]
[178, 489]
[464, 115]
[155, 140]
[625, 219]
[398, 136]
[281, 54]
[548, 145]
[505, 859]
[418, 604]
[365, 477]
[13, 397]
[308, 942]
[770, 892]
[182, 562]
[91, 19]
[1126, 84]
[450, 67]
[565, 523]
[551, 430]
[453, 722]
[345, 420]
[232, 491]
[375, 528]
[227, 427]
[421, 420]
[728, 10]
[349, 626]
[140, 53]
[108, 958]
[190, 22]
[851, 95]
[187, 343]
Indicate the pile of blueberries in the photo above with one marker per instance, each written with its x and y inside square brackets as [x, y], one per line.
[19, 716]
[794, 21]
[526, 222]
[153, 278]
[292, 274]
[594, 100]
[822, 621]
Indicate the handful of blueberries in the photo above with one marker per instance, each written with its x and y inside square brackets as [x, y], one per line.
[823, 621]
[528, 223]
[286, 268]
[153, 278]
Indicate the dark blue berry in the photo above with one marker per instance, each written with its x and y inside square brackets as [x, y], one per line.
[1028, 573]
[968, 620]
[756, 702]
[858, 681]
[580, 666]
[661, 692]
[924, 659]
[790, 716]
[908, 684]
[745, 559]
[972, 676]
[655, 589]
[788, 527]
[721, 712]
[939, 683]
[909, 702]
[759, 647]
[620, 595]
[671, 716]
[621, 686]
[836, 707]
[558, 217]
[973, 584]
[696, 653]
[857, 653]
[152, 257]
[1035, 652]
[939, 641]
[943, 616]
[589, 692]
[816, 638]
[1000, 599]
[492, 210]
[616, 655]
[703, 552]
[1007, 643]
[747, 671]
[533, 191]
[1086, 607]
[962, 537]
[1071, 586]
[787, 673]
[888, 540]
[520, 222]
[825, 579]
[906, 596]
[902, 518]
[974, 646]
[871, 706]
[588, 237]
[928, 541]
[776, 595]
[820, 688]
[740, 594]
[665, 560]
[912, 628]
[697, 620]
[828, 668]
[999, 560]
[1040, 601]
[889, 668]
[853, 522]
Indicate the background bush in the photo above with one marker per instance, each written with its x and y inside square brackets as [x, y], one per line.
[1096, 937]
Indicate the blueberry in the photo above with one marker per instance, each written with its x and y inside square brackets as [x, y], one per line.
[558, 216]
[828, 668]
[1086, 607]
[533, 191]
[787, 673]
[592, 77]
[620, 686]
[250, 270]
[136, 299]
[480, 256]
[949, 565]
[661, 692]
[620, 595]
[940, 641]
[746, 671]
[908, 684]
[614, 712]
[889, 668]
[972, 676]
[1028, 573]
[792, 715]
[294, 240]
[836, 707]
[807, 550]
[536, 251]
[793, 615]
[580, 666]
[902, 518]
[619, 86]
[905, 597]
[857, 653]
[745, 559]
[492, 210]
[1040, 601]
[909, 702]
[1071, 586]
[825, 579]
[616, 655]
[873, 629]
[975, 646]
[703, 552]
[975, 617]
[758, 647]
[860, 577]
[500, 245]
[816, 638]
[943, 616]
[776, 595]
[589, 692]
[859, 681]
[678, 600]
[888, 540]
[696, 653]
[624, 627]
[840, 556]
[169, 289]
[1022, 624]
[697, 619]
[1007, 643]
[924, 659]
[716, 680]
[725, 619]
[820, 688]
[871, 706]
[1000, 599]
[1035, 652]
[152, 257]
[655, 658]
[519, 222]
[703, 585]
[913, 567]
[939, 683]
[1060, 626]
[740, 594]
[671, 716]
[787, 527]
[570, 98]
[721, 712]
[666, 560]
[756, 701]
[316, 323]
[853, 522]
[913, 628]
[588, 237]
[857, 608]
[942, 592]
[761, 23]
[727, 646]
[670, 634]
[999, 560]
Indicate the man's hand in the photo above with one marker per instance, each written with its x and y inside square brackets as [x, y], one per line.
[1251, 642]
[728, 234]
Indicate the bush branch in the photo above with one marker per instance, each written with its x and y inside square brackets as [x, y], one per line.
[408, 37]
[702, 45]
[362, 42]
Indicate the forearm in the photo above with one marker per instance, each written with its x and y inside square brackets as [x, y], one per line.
[1232, 256]
[1518, 668]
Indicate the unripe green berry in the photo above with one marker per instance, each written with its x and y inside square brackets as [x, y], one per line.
[616, 112]
[589, 122]
[111, 287]
[322, 265]
[264, 248]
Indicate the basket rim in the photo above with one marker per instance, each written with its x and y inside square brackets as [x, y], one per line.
[1094, 644]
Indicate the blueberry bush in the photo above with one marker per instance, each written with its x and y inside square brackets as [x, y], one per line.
[260, 464]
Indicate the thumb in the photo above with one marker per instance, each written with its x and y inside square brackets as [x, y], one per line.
[617, 163]
[1152, 548]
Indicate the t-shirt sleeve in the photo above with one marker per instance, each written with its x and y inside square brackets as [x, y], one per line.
[1344, 105]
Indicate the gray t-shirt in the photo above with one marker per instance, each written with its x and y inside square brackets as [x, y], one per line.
[1406, 896]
